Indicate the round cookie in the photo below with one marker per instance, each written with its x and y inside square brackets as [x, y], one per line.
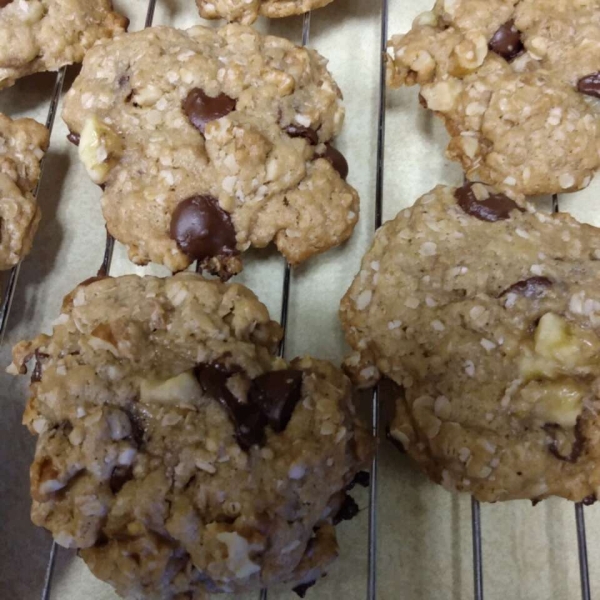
[207, 142]
[175, 450]
[23, 143]
[247, 11]
[517, 84]
[44, 35]
[487, 314]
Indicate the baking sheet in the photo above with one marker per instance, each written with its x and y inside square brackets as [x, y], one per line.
[424, 548]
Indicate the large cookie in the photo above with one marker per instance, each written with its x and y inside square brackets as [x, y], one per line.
[488, 315]
[175, 450]
[44, 35]
[517, 83]
[210, 141]
[247, 11]
[23, 143]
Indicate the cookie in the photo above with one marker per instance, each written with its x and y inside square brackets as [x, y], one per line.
[175, 450]
[207, 142]
[247, 11]
[487, 314]
[517, 83]
[23, 143]
[44, 35]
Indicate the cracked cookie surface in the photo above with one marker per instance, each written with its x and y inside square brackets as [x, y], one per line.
[23, 143]
[487, 314]
[210, 141]
[247, 11]
[517, 83]
[175, 450]
[44, 35]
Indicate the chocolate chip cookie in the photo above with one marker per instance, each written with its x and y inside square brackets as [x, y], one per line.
[23, 143]
[207, 142]
[175, 450]
[487, 314]
[247, 11]
[517, 83]
[44, 35]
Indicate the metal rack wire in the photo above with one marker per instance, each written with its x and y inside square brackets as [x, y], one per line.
[371, 592]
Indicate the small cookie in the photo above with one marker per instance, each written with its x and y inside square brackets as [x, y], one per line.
[517, 84]
[210, 141]
[488, 315]
[175, 450]
[44, 35]
[23, 143]
[247, 11]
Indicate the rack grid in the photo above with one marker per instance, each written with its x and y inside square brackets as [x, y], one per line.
[371, 591]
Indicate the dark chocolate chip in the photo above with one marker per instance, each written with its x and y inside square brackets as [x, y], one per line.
[119, 477]
[497, 207]
[138, 428]
[36, 374]
[200, 108]
[536, 501]
[202, 229]
[72, 137]
[578, 444]
[303, 588]
[276, 394]
[507, 42]
[589, 500]
[534, 287]
[348, 510]
[123, 80]
[308, 133]
[397, 443]
[249, 422]
[362, 478]
[590, 85]
[337, 160]
[4, 3]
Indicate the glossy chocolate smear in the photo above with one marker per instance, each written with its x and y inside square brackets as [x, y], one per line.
[534, 287]
[248, 420]
[202, 229]
[590, 85]
[336, 159]
[496, 207]
[72, 137]
[200, 108]
[553, 429]
[507, 42]
[276, 394]
[308, 133]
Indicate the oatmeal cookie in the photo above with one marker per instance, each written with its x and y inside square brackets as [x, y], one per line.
[517, 83]
[44, 35]
[487, 314]
[207, 142]
[247, 11]
[175, 450]
[23, 143]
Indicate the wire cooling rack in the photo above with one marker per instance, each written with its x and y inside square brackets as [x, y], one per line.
[476, 510]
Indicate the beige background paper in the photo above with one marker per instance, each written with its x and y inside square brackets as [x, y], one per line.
[424, 549]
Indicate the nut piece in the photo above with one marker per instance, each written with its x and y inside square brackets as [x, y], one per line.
[182, 389]
[99, 149]
[442, 96]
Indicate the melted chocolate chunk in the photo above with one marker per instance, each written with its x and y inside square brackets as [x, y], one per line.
[303, 588]
[74, 138]
[202, 229]
[589, 500]
[348, 510]
[308, 133]
[336, 159]
[4, 3]
[590, 85]
[276, 394]
[362, 478]
[507, 42]
[534, 287]
[497, 207]
[248, 420]
[201, 108]
[577, 447]
[119, 477]
[397, 443]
